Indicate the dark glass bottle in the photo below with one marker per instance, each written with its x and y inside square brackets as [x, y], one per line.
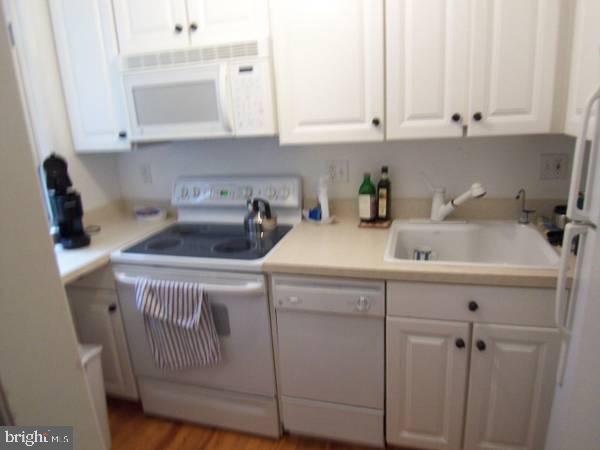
[384, 195]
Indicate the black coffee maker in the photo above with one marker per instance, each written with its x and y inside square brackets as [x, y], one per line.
[65, 203]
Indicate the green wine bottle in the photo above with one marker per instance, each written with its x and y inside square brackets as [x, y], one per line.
[367, 199]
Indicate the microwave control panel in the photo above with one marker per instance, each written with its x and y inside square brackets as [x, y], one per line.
[252, 94]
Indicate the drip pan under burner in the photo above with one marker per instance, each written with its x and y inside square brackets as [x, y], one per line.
[164, 244]
[238, 245]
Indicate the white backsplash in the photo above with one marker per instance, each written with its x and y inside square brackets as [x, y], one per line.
[501, 164]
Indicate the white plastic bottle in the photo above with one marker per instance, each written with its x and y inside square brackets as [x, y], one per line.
[324, 198]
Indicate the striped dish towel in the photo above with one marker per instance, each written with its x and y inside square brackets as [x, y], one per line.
[179, 323]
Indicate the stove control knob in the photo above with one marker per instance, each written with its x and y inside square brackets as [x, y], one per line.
[270, 192]
[184, 193]
[196, 192]
[245, 192]
[284, 193]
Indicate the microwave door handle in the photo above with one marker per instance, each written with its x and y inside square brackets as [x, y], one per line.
[224, 100]
[251, 287]
[573, 211]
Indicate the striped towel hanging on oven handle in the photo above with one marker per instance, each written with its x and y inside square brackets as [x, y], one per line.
[179, 323]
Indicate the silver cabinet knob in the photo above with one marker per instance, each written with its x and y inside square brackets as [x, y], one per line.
[294, 300]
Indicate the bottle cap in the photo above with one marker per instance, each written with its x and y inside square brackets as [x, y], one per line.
[367, 174]
[384, 169]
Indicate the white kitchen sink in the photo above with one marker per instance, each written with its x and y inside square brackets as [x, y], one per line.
[506, 244]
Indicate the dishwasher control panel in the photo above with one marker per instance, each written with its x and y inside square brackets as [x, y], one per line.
[329, 295]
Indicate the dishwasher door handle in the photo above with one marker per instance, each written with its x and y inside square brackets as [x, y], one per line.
[251, 287]
[294, 300]
[363, 304]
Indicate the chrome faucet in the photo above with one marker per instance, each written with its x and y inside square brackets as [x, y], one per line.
[524, 215]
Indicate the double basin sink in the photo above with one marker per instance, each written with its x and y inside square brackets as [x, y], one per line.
[504, 244]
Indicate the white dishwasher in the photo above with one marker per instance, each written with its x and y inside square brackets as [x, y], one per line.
[330, 344]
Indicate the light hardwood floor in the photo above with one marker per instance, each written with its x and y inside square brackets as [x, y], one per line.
[131, 430]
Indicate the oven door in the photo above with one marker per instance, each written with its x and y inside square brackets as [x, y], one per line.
[241, 312]
[179, 103]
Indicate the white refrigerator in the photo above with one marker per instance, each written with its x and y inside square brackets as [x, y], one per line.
[575, 420]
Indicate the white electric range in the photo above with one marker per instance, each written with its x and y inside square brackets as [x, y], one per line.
[208, 245]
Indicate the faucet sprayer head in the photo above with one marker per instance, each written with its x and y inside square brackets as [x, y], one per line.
[477, 190]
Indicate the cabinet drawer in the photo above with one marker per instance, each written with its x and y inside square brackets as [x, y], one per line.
[102, 278]
[254, 414]
[517, 306]
[329, 295]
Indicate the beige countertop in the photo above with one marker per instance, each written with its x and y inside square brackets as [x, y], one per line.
[343, 249]
[118, 228]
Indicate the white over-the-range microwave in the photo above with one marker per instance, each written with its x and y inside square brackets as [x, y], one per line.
[202, 92]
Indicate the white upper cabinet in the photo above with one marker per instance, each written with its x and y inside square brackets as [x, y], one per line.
[217, 21]
[154, 25]
[426, 61]
[513, 57]
[486, 64]
[87, 53]
[151, 25]
[328, 58]
[585, 64]
[427, 364]
[513, 372]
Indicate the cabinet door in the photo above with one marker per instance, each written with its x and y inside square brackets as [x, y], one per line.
[513, 54]
[329, 69]
[225, 21]
[426, 61]
[87, 51]
[426, 382]
[511, 386]
[151, 25]
[585, 64]
[98, 321]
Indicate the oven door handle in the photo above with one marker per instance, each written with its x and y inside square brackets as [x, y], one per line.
[252, 287]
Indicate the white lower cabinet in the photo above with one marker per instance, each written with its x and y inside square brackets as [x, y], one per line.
[468, 384]
[511, 386]
[98, 321]
[427, 366]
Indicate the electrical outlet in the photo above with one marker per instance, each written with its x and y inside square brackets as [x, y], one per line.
[337, 170]
[146, 173]
[555, 166]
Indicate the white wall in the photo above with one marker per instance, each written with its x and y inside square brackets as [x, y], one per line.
[502, 164]
[95, 176]
[41, 372]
